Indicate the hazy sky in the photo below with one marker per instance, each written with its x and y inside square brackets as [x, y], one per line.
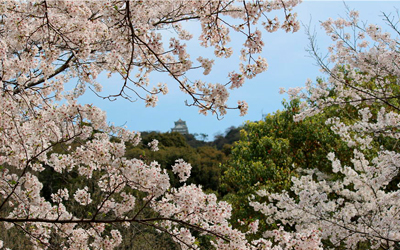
[289, 66]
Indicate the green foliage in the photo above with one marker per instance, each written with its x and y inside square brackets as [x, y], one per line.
[232, 134]
[205, 160]
[193, 142]
[139, 237]
[206, 169]
[15, 238]
[270, 152]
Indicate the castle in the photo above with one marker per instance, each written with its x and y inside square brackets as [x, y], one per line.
[180, 127]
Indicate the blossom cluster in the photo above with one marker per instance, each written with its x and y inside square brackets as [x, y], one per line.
[182, 169]
[153, 145]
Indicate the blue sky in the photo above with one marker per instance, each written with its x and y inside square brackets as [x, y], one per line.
[289, 66]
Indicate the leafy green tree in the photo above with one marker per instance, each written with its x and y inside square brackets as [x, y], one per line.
[270, 152]
[232, 134]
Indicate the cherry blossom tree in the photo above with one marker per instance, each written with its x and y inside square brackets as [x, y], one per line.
[51, 52]
[359, 206]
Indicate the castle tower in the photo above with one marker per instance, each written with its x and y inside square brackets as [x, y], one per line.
[180, 127]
